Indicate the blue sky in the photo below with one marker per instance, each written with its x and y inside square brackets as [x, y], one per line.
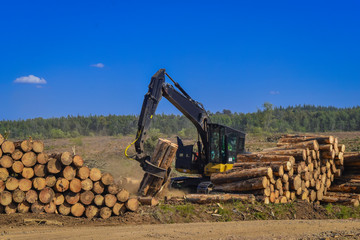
[97, 57]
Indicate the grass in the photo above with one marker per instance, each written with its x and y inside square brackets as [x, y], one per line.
[343, 212]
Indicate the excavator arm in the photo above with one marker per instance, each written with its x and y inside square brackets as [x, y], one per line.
[193, 110]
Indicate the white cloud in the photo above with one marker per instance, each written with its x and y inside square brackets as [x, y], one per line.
[98, 65]
[274, 92]
[30, 79]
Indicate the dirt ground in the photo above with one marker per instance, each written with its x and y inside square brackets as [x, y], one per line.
[283, 229]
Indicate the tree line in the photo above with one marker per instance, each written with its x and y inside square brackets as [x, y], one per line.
[302, 118]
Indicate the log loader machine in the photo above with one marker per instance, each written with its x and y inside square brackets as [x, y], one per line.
[217, 145]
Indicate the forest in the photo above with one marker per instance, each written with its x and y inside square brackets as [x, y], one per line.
[267, 119]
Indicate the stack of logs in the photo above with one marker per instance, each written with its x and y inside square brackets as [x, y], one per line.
[31, 180]
[300, 167]
[346, 188]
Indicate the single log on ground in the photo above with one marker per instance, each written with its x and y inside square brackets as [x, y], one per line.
[42, 158]
[83, 172]
[75, 185]
[98, 187]
[4, 174]
[132, 204]
[119, 209]
[95, 174]
[29, 159]
[40, 170]
[107, 179]
[58, 199]
[123, 196]
[16, 155]
[38, 146]
[17, 167]
[39, 183]
[87, 197]
[46, 195]
[53, 166]
[11, 208]
[8, 147]
[69, 173]
[12, 184]
[23, 207]
[110, 200]
[71, 197]
[37, 207]
[78, 161]
[113, 189]
[105, 212]
[244, 185]
[64, 209]
[50, 181]
[91, 211]
[18, 196]
[62, 185]
[151, 201]
[50, 207]
[234, 175]
[6, 161]
[31, 196]
[87, 184]
[99, 200]
[77, 209]
[5, 198]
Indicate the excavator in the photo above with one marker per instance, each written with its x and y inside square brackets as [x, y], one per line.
[216, 147]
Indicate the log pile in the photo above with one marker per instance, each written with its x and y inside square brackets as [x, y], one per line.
[346, 188]
[300, 167]
[33, 181]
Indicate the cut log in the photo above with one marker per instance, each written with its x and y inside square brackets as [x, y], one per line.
[236, 175]
[312, 145]
[53, 166]
[69, 173]
[27, 172]
[263, 158]
[11, 208]
[64, 209]
[107, 179]
[8, 147]
[38, 146]
[295, 183]
[50, 207]
[58, 199]
[2, 139]
[113, 189]
[87, 197]
[91, 212]
[123, 196]
[31, 196]
[40, 170]
[297, 153]
[25, 184]
[75, 185]
[132, 204]
[50, 181]
[6, 161]
[246, 185]
[71, 197]
[83, 172]
[77, 210]
[95, 174]
[25, 146]
[39, 183]
[62, 185]
[12, 184]
[17, 166]
[46, 195]
[78, 161]
[87, 184]
[37, 207]
[98, 187]
[5, 198]
[42, 158]
[119, 209]
[151, 201]
[99, 200]
[105, 212]
[23, 207]
[4, 174]
[18, 196]
[110, 200]
[29, 159]
[341, 200]
[16, 155]
[66, 158]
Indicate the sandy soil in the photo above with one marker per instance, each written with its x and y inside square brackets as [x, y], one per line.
[283, 229]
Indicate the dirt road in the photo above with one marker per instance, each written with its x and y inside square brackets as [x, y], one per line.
[282, 229]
